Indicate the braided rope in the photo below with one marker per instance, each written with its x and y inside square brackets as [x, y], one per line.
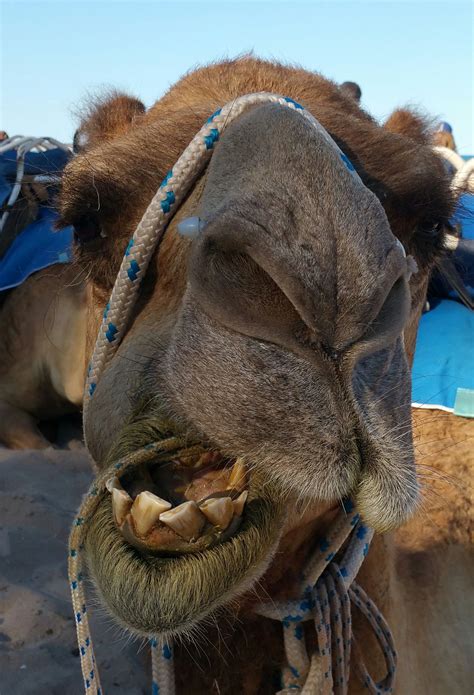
[162, 674]
[328, 587]
[152, 226]
[464, 178]
[327, 590]
[464, 170]
[171, 447]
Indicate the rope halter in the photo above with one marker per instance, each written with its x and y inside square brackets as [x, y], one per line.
[163, 206]
[327, 585]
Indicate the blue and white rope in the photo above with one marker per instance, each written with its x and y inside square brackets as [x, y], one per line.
[163, 206]
[162, 674]
[328, 587]
[163, 677]
[327, 591]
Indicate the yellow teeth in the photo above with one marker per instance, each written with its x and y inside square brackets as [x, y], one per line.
[219, 511]
[113, 483]
[150, 522]
[239, 503]
[146, 511]
[121, 503]
[238, 476]
[186, 520]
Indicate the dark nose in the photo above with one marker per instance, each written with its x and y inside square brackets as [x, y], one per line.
[295, 295]
[294, 248]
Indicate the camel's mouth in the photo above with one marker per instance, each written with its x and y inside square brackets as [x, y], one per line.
[161, 572]
[184, 505]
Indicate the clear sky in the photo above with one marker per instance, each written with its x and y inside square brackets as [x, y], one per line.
[53, 53]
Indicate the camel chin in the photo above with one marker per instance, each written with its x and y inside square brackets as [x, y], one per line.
[188, 577]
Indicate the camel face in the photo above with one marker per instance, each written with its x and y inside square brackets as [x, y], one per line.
[299, 278]
[277, 336]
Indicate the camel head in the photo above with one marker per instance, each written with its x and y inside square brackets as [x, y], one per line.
[281, 335]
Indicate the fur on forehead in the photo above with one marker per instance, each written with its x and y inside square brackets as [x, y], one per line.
[115, 179]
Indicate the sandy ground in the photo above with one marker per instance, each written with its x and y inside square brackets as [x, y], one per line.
[39, 493]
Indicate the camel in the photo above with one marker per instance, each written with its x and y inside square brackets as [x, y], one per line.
[281, 335]
[42, 303]
[42, 341]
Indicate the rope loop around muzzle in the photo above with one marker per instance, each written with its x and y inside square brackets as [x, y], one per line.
[328, 586]
[164, 450]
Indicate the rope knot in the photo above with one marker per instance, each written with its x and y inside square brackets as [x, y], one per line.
[321, 663]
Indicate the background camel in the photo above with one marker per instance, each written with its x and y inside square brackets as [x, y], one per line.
[42, 297]
[42, 342]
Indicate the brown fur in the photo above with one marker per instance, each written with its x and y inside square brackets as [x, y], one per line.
[131, 167]
[42, 343]
[229, 344]
[411, 124]
[443, 139]
[104, 121]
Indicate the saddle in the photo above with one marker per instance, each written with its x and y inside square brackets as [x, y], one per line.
[442, 376]
[30, 171]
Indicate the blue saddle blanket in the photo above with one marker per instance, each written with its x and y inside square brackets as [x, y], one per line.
[37, 247]
[36, 163]
[464, 214]
[443, 369]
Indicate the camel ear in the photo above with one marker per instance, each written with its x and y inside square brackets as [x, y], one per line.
[107, 118]
[411, 124]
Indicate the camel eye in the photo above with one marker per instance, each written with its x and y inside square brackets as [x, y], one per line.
[88, 232]
[431, 231]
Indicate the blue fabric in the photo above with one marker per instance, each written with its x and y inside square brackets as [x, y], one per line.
[463, 257]
[49, 162]
[464, 215]
[5, 190]
[36, 163]
[444, 127]
[37, 247]
[444, 357]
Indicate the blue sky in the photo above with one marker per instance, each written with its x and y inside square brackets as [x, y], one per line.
[54, 53]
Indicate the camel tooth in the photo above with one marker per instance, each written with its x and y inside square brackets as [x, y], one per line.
[239, 503]
[113, 484]
[186, 520]
[219, 511]
[146, 511]
[208, 458]
[121, 503]
[238, 476]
